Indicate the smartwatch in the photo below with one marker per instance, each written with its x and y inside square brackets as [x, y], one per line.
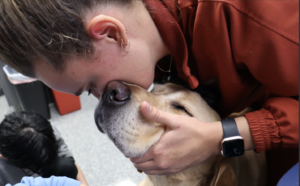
[233, 142]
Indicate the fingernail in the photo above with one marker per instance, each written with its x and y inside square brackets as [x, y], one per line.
[148, 107]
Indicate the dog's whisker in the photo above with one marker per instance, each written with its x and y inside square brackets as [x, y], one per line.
[142, 120]
[144, 144]
[128, 148]
[144, 147]
[139, 138]
[131, 142]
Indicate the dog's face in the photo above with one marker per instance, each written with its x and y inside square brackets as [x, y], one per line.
[118, 113]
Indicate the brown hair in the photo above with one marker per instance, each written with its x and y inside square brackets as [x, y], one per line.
[49, 29]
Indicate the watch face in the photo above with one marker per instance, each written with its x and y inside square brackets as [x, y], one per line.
[233, 148]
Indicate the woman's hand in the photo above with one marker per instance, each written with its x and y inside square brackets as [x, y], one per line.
[186, 142]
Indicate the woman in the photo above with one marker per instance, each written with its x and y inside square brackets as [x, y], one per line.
[246, 49]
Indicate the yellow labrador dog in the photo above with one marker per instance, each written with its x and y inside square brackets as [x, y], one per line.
[118, 115]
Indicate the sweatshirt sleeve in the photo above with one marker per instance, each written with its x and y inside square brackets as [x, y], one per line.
[266, 42]
[52, 181]
[276, 125]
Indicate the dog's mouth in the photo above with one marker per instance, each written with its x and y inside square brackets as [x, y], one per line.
[118, 115]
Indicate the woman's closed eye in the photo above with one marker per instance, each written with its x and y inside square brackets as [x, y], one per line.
[90, 91]
[91, 88]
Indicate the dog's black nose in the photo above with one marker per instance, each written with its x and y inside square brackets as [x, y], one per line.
[117, 92]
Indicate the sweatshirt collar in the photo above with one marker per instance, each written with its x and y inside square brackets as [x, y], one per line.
[171, 33]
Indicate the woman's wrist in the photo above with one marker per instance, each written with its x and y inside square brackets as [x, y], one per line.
[243, 128]
[245, 132]
[218, 137]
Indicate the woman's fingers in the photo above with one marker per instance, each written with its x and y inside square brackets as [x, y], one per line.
[145, 166]
[183, 144]
[141, 159]
[152, 168]
[158, 116]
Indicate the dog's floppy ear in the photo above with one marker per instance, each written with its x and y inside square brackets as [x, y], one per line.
[224, 174]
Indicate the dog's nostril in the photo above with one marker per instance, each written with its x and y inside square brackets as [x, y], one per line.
[118, 92]
[113, 95]
[119, 96]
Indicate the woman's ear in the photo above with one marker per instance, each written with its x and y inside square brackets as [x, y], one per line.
[102, 26]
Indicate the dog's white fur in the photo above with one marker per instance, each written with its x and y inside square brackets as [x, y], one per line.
[134, 135]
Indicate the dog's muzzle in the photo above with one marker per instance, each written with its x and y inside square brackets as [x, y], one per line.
[116, 95]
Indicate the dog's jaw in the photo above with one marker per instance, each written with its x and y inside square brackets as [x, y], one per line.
[129, 131]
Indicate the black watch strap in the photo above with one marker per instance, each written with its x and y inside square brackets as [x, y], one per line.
[229, 128]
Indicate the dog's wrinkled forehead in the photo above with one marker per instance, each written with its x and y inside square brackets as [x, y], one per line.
[161, 89]
[180, 97]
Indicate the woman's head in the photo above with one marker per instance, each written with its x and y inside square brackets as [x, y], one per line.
[27, 140]
[57, 33]
[49, 29]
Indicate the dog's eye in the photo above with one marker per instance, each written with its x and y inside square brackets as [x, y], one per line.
[179, 107]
